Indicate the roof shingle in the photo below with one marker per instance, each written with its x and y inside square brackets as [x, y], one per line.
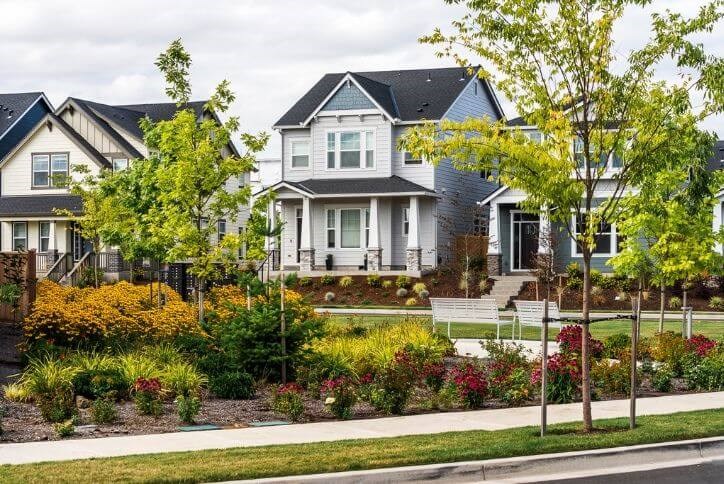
[39, 205]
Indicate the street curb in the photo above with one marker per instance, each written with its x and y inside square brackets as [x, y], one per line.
[521, 467]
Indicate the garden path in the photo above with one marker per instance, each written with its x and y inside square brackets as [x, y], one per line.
[495, 419]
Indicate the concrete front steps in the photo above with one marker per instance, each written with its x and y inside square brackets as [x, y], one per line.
[507, 288]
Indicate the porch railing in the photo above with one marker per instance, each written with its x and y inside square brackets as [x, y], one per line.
[45, 260]
[60, 267]
[73, 277]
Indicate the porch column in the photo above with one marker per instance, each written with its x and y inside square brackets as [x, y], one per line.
[306, 251]
[544, 232]
[414, 251]
[374, 251]
[271, 241]
[717, 223]
[52, 252]
[495, 257]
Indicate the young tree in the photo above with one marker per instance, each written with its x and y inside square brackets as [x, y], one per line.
[193, 168]
[667, 227]
[556, 60]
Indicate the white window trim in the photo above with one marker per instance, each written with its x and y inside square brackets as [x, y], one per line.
[405, 221]
[290, 143]
[364, 228]
[14, 238]
[362, 130]
[418, 161]
[51, 173]
[113, 164]
[610, 169]
[613, 249]
[328, 227]
[40, 236]
[297, 141]
[220, 234]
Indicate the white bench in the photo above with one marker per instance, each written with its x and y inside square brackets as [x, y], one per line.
[458, 310]
[530, 313]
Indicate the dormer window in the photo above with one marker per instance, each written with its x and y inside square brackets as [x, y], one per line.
[300, 154]
[49, 169]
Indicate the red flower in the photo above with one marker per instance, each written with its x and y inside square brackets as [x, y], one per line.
[147, 385]
[290, 388]
[571, 337]
[700, 344]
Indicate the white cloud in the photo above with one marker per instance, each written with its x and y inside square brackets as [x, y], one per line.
[271, 51]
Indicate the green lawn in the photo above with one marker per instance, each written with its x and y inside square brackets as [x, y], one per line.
[251, 463]
[600, 330]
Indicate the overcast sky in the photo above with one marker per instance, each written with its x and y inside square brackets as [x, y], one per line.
[272, 51]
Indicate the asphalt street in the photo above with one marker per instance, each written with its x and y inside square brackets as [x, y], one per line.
[706, 473]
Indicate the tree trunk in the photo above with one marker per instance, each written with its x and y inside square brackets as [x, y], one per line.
[662, 308]
[201, 285]
[585, 350]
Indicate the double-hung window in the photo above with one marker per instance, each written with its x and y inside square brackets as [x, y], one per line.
[350, 150]
[349, 221]
[221, 229]
[49, 169]
[20, 236]
[331, 229]
[43, 236]
[405, 221]
[300, 154]
[120, 164]
[605, 239]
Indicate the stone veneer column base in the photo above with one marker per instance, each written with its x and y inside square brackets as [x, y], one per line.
[495, 264]
[374, 259]
[306, 260]
[414, 259]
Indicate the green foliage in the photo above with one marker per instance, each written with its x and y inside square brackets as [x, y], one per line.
[387, 284]
[616, 345]
[326, 280]
[64, 429]
[424, 294]
[708, 375]
[347, 281]
[611, 377]
[182, 379]
[661, 380]
[574, 283]
[134, 365]
[10, 293]
[411, 302]
[305, 281]
[103, 411]
[573, 270]
[402, 281]
[716, 303]
[419, 287]
[233, 384]
[188, 407]
[670, 348]
[374, 280]
[288, 401]
[50, 383]
[597, 277]
[674, 303]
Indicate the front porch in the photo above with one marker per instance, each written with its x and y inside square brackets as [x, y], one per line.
[388, 233]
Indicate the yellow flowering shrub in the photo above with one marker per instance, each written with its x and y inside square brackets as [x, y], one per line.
[219, 299]
[69, 315]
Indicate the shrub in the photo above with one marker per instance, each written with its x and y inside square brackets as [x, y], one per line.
[564, 375]
[249, 339]
[64, 429]
[341, 395]
[574, 283]
[674, 303]
[391, 386]
[518, 387]
[504, 361]
[402, 281]
[374, 280]
[471, 384]
[615, 345]
[433, 375]
[134, 366]
[305, 281]
[97, 376]
[700, 344]
[613, 378]
[670, 348]
[326, 280]
[387, 284]
[188, 407]
[233, 384]
[401, 292]
[50, 383]
[424, 294]
[419, 287]
[346, 281]
[16, 392]
[708, 375]
[574, 270]
[570, 339]
[329, 296]
[147, 396]
[287, 400]
[661, 380]
[411, 302]
[609, 282]
[114, 313]
[103, 411]
[596, 278]
[716, 303]
[182, 379]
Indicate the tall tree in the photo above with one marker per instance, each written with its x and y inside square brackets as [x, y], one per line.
[557, 61]
[194, 171]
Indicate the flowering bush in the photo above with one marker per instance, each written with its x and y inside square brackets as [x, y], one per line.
[471, 384]
[672, 349]
[508, 371]
[391, 386]
[68, 316]
[341, 395]
[564, 375]
[708, 375]
[287, 400]
[223, 299]
[147, 396]
[700, 344]
[612, 377]
[433, 374]
[570, 340]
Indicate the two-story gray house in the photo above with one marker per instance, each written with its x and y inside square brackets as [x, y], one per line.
[349, 198]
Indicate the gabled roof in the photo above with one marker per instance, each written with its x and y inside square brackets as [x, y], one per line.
[14, 105]
[39, 205]
[408, 95]
[392, 185]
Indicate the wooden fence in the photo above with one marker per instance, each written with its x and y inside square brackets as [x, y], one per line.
[18, 268]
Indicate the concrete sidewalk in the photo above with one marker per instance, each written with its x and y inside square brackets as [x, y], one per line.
[352, 429]
[508, 313]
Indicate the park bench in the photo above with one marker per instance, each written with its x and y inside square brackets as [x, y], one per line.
[530, 313]
[459, 310]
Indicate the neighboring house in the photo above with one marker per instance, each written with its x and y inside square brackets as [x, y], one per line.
[79, 132]
[268, 172]
[514, 234]
[349, 198]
